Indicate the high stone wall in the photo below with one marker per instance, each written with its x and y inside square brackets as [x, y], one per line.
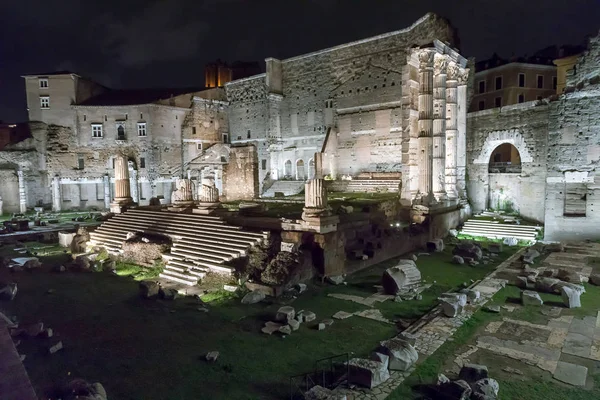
[525, 126]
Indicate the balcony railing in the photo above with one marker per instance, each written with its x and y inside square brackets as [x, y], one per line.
[504, 168]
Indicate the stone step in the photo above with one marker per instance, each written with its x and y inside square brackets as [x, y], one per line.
[162, 214]
[217, 245]
[172, 222]
[167, 275]
[162, 218]
[241, 237]
[511, 227]
[225, 255]
[194, 271]
[197, 256]
[500, 230]
[496, 235]
[106, 238]
[110, 231]
[212, 266]
[184, 273]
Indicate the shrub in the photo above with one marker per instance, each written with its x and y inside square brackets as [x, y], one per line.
[279, 269]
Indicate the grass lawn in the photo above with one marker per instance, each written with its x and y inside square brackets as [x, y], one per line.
[539, 384]
[154, 349]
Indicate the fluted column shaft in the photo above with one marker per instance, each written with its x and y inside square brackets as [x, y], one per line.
[122, 188]
[425, 123]
[439, 128]
[315, 194]
[461, 133]
[451, 129]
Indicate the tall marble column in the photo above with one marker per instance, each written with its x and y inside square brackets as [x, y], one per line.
[106, 182]
[461, 133]
[451, 114]
[439, 127]
[122, 190]
[22, 193]
[133, 183]
[425, 126]
[183, 195]
[56, 197]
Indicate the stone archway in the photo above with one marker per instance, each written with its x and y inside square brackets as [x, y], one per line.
[497, 138]
[300, 171]
[287, 169]
[505, 159]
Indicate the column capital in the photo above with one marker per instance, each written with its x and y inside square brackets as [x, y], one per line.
[463, 76]
[426, 58]
[440, 64]
[452, 72]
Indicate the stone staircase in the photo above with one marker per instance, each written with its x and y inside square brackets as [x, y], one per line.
[288, 188]
[365, 185]
[201, 243]
[499, 229]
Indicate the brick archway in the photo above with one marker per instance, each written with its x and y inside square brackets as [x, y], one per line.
[497, 138]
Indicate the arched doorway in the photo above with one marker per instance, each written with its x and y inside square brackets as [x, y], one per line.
[300, 172]
[120, 133]
[505, 159]
[504, 186]
[287, 169]
[311, 169]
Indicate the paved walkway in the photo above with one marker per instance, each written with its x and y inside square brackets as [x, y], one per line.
[431, 331]
[14, 381]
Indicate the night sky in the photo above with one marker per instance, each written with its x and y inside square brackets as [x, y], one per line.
[165, 43]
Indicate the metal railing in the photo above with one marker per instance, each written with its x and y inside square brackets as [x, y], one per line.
[329, 372]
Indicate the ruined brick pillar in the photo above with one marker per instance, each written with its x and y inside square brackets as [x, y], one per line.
[133, 182]
[451, 114]
[56, 197]
[22, 193]
[425, 125]
[461, 133]
[439, 128]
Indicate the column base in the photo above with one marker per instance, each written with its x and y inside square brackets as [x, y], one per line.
[208, 208]
[181, 206]
[120, 207]
[313, 224]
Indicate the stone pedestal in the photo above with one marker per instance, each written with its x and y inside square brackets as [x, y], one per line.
[208, 198]
[122, 199]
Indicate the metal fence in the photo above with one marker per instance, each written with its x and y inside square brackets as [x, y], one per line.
[329, 373]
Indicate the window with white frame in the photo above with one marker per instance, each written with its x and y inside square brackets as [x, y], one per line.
[45, 101]
[199, 146]
[97, 130]
[43, 83]
[141, 128]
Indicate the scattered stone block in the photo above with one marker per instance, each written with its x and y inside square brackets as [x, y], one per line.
[301, 287]
[595, 279]
[8, 291]
[48, 333]
[342, 315]
[568, 275]
[473, 295]
[571, 297]
[327, 322]
[321, 326]
[451, 308]
[436, 245]
[56, 347]
[368, 373]
[230, 288]
[458, 260]
[309, 316]
[294, 324]
[511, 370]
[33, 330]
[473, 372]
[510, 241]
[456, 390]
[460, 298]
[285, 329]
[410, 338]
[168, 294]
[65, 238]
[546, 285]
[148, 289]
[531, 298]
[468, 249]
[453, 232]
[336, 280]
[382, 358]
[403, 275]
[320, 393]
[492, 309]
[271, 327]
[285, 313]
[212, 356]
[495, 248]
[253, 297]
[401, 353]
[32, 264]
[442, 379]
[485, 389]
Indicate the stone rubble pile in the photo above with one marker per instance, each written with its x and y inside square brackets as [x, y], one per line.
[473, 383]
[287, 320]
[401, 277]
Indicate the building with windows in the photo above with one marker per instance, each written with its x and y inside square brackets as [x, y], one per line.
[501, 82]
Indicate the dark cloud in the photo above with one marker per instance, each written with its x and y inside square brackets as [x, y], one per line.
[142, 43]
